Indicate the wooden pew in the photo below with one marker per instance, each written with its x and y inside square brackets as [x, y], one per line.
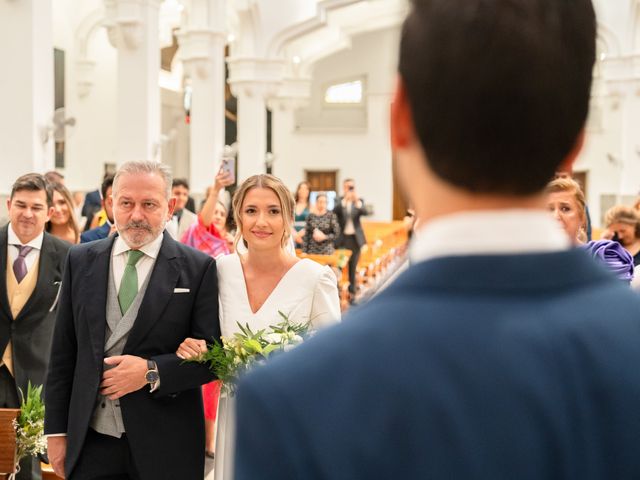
[386, 247]
[7, 441]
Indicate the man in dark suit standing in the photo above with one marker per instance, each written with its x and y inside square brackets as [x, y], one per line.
[501, 353]
[104, 230]
[120, 404]
[32, 262]
[349, 208]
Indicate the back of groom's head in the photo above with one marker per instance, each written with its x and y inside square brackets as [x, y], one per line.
[498, 89]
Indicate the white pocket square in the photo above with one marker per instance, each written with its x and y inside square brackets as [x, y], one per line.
[181, 290]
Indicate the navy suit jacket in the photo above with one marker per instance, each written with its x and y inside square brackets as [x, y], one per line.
[479, 367]
[97, 233]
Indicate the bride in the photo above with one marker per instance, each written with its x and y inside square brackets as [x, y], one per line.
[266, 279]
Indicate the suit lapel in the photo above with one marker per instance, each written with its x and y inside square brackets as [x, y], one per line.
[164, 278]
[4, 298]
[46, 267]
[97, 277]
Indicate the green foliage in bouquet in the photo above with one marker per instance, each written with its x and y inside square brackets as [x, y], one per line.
[236, 355]
[30, 424]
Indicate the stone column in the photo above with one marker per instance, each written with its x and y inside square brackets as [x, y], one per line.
[133, 29]
[253, 81]
[26, 89]
[202, 42]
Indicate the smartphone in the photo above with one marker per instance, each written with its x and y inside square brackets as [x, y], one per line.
[616, 237]
[229, 166]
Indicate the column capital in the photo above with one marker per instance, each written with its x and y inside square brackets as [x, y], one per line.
[124, 21]
[84, 76]
[293, 93]
[257, 77]
[198, 48]
[623, 69]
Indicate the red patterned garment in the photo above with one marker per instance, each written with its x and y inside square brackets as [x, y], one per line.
[207, 240]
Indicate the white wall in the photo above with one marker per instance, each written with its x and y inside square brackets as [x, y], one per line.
[611, 156]
[365, 155]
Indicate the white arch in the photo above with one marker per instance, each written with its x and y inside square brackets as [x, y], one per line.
[299, 30]
[86, 30]
[609, 41]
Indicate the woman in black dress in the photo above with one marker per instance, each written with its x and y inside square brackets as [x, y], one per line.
[321, 230]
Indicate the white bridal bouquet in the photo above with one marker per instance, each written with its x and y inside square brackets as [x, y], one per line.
[237, 354]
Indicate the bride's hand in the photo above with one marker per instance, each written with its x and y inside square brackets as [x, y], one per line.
[190, 348]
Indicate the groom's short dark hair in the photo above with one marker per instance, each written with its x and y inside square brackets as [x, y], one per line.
[498, 89]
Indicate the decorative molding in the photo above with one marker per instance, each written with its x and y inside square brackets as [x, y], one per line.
[609, 40]
[294, 93]
[306, 27]
[84, 64]
[124, 21]
[255, 76]
[197, 48]
[84, 77]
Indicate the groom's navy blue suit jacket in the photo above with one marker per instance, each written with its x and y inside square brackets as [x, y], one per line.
[481, 367]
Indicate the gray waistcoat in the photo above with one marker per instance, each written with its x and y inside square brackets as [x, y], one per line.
[107, 417]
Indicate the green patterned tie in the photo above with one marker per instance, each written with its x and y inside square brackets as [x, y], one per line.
[129, 283]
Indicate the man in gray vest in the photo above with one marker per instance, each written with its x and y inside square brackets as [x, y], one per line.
[120, 404]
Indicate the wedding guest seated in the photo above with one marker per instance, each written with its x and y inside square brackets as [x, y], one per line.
[301, 212]
[623, 225]
[63, 223]
[182, 217]
[321, 230]
[108, 227]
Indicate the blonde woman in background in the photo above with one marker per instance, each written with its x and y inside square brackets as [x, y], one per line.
[256, 285]
[63, 223]
[623, 224]
[565, 200]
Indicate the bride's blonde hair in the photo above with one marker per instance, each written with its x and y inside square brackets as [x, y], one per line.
[287, 203]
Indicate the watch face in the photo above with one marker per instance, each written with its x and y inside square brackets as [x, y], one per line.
[152, 376]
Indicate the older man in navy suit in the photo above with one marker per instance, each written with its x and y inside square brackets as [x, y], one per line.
[501, 353]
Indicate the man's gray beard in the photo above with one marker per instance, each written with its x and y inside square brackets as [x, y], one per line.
[149, 236]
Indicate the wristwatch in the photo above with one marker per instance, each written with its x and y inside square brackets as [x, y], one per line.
[152, 375]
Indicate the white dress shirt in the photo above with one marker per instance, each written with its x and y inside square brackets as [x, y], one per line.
[488, 232]
[13, 251]
[120, 253]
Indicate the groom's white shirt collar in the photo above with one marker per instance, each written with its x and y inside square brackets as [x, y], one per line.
[488, 233]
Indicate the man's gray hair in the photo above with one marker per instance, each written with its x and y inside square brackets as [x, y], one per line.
[145, 166]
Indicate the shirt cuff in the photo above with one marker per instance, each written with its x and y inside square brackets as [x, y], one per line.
[55, 435]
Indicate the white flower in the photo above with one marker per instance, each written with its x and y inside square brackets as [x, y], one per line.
[273, 338]
[297, 339]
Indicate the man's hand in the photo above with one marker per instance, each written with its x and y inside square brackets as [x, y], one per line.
[57, 451]
[191, 348]
[126, 375]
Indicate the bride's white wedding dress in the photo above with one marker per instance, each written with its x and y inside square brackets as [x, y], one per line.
[307, 292]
